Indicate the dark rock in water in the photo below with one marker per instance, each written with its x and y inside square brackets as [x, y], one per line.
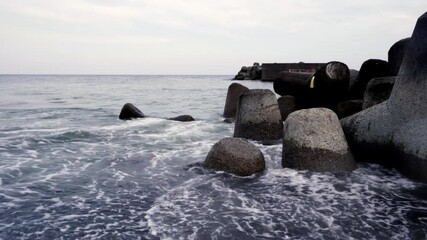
[349, 107]
[372, 68]
[394, 132]
[235, 155]
[313, 140]
[249, 73]
[256, 72]
[242, 74]
[229, 120]
[233, 95]
[291, 83]
[239, 77]
[377, 91]
[129, 111]
[258, 116]
[287, 104]
[183, 118]
[396, 54]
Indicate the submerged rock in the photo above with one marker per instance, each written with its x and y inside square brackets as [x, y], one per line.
[394, 132]
[235, 90]
[314, 140]
[183, 118]
[235, 155]
[129, 111]
[258, 116]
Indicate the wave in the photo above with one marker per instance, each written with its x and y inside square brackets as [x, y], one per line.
[285, 203]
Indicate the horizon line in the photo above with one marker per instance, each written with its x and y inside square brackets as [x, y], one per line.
[103, 74]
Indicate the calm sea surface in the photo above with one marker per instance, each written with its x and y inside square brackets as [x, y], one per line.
[70, 169]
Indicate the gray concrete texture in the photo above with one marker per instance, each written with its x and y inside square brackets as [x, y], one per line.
[314, 140]
[395, 131]
[235, 155]
[258, 116]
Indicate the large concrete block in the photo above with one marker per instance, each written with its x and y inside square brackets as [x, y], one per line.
[314, 140]
[235, 90]
[235, 155]
[258, 116]
[395, 131]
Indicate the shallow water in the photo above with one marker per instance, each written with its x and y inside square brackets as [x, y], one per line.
[70, 169]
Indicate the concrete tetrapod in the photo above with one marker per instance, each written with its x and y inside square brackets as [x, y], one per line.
[349, 107]
[396, 54]
[287, 104]
[372, 68]
[235, 155]
[233, 95]
[325, 88]
[314, 140]
[258, 116]
[377, 91]
[394, 132]
[291, 83]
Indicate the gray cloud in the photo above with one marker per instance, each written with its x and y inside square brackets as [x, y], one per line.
[195, 36]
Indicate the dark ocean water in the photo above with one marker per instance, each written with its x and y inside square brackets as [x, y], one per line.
[70, 169]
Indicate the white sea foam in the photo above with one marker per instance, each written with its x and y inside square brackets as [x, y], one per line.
[78, 169]
[185, 206]
[39, 208]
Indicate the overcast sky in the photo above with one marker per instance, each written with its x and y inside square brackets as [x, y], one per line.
[195, 36]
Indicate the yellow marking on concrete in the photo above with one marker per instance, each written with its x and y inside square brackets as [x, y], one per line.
[312, 82]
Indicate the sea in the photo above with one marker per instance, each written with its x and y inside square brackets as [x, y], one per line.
[70, 169]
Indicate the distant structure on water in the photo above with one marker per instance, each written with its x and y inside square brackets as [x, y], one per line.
[270, 71]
